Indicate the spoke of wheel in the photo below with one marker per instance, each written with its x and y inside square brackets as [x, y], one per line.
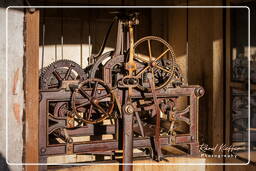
[90, 89]
[149, 50]
[95, 89]
[68, 73]
[143, 70]
[53, 86]
[83, 104]
[140, 58]
[84, 93]
[160, 56]
[153, 77]
[100, 108]
[103, 96]
[57, 75]
[90, 112]
[159, 67]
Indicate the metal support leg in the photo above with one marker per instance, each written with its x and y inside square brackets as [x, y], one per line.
[194, 148]
[128, 111]
[157, 128]
[43, 160]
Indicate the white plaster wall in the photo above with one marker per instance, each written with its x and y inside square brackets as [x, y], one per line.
[14, 90]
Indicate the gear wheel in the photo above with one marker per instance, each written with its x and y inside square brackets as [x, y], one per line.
[94, 99]
[61, 109]
[160, 65]
[52, 76]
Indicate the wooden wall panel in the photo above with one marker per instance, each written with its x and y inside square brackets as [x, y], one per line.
[177, 38]
[200, 65]
[205, 67]
[218, 78]
[75, 25]
[31, 88]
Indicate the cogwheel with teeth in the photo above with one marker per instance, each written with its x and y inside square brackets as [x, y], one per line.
[52, 76]
[158, 60]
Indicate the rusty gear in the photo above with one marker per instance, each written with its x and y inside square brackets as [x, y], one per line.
[58, 71]
[94, 99]
[162, 65]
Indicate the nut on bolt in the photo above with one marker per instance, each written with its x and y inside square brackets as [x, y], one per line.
[70, 140]
[199, 92]
[129, 109]
[43, 150]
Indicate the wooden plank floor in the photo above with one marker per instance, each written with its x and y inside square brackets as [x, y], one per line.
[149, 167]
[244, 155]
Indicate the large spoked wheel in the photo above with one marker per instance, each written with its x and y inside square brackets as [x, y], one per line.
[92, 101]
[157, 58]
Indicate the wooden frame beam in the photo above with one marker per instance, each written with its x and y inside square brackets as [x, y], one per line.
[31, 88]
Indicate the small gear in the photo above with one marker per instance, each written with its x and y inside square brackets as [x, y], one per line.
[52, 76]
[60, 109]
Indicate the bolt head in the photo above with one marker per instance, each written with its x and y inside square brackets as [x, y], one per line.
[95, 101]
[70, 140]
[173, 108]
[43, 150]
[129, 109]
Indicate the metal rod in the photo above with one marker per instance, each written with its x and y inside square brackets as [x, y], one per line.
[89, 40]
[157, 128]
[119, 41]
[43, 38]
[61, 46]
[62, 41]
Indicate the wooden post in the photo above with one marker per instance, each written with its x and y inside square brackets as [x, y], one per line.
[31, 87]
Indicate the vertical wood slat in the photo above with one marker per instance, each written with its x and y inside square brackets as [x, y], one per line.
[200, 62]
[31, 88]
[228, 74]
[218, 74]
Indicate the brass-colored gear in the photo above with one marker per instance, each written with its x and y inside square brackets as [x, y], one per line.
[162, 65]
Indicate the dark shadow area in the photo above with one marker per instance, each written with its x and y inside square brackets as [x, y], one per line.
[7, 3]
[3, 165]
[239, 45]
[104, 3]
